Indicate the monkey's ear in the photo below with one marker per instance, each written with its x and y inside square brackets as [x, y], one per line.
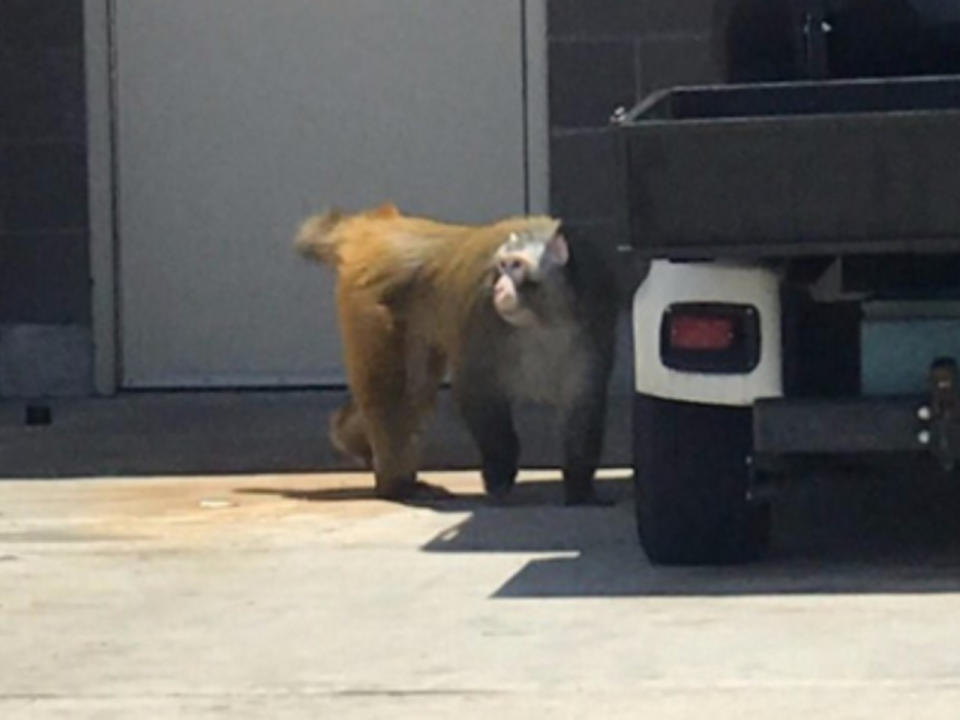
[386, 210]
[557, 250]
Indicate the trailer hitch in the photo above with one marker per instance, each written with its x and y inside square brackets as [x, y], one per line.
[942, 416]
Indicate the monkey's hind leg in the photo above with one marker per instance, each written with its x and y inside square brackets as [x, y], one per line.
[489, 418]
[374, 350]
[394, 422]
[396, 455]
[348, 434]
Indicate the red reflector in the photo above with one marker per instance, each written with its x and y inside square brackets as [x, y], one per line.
[701, 332]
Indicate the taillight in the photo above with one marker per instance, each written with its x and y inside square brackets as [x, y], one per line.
[710, 337]
[701, 332]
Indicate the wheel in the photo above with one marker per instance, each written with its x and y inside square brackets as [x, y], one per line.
[691, 476]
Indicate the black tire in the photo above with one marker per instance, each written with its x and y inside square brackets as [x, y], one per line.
[691, 480]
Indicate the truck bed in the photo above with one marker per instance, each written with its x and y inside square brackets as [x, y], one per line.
[787, 169]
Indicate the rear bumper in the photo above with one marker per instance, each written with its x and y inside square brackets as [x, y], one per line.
[840, 426]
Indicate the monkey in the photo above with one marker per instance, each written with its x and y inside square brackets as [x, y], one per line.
[508, 309]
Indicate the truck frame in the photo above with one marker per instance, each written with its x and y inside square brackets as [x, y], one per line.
[803, 299]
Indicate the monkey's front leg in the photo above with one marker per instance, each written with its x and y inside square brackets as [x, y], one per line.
[490, 421]
[583, 422]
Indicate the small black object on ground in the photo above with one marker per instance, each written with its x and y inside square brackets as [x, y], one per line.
[38, 415]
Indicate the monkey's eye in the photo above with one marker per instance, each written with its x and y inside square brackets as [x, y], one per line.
[514, 266]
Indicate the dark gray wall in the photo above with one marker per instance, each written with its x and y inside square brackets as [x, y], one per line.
[608, 53]
[44, 256]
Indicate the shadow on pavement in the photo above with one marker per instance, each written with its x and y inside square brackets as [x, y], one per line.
[436, 497]
[867, 535]
[870, 535]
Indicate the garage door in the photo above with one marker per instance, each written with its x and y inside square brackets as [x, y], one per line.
[236, 118]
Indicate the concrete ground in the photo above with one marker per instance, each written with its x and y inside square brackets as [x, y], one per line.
[300, 596]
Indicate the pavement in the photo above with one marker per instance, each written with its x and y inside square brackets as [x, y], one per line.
[299, 595]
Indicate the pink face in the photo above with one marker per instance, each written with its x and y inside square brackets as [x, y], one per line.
[519, 260]
[506, 301]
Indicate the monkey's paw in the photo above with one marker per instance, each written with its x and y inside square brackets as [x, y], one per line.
[588, 497]
[500, 496]
[426, 491]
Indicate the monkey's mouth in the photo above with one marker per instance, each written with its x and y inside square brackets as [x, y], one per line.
[518, 317]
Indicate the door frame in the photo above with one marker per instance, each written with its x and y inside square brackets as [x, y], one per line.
[101, 101]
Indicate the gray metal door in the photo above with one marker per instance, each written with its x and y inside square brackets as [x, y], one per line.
[236, 118]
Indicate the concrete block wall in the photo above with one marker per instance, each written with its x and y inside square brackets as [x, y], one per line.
[45, 345]
[609, 53]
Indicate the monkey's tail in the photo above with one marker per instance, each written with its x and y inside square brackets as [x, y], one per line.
[316, 238]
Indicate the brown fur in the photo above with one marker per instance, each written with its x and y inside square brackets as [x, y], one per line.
[407, 289]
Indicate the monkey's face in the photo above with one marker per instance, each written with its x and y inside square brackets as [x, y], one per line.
[524, 263]
[506, 301]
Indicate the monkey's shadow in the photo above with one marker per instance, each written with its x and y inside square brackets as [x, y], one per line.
[870, 534]
[543, 493]
[863, 535]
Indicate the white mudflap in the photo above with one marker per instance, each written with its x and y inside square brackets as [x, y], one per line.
[670, 283]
